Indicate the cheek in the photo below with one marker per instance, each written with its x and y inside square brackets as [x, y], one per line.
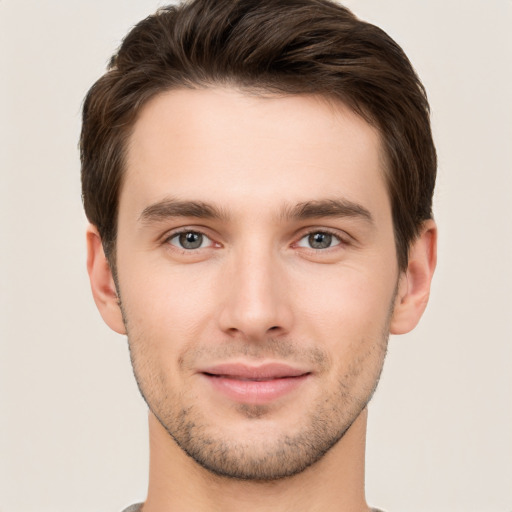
[348, 301]
[163, 317]
[165, 306]
[354, 328]
[349, 317]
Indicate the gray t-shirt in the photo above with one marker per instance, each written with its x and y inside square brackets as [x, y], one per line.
[134, 508]
[138, 508]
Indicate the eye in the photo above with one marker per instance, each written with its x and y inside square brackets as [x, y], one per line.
[190, 240]
[319, 240]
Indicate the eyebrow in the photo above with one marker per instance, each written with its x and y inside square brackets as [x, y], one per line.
[174, 208]
[327, 208]
[169, 208]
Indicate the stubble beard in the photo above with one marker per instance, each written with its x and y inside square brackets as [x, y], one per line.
[264, 459]
[261, 460]
[268, 459]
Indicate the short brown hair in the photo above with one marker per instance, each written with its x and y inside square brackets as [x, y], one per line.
[279, 46]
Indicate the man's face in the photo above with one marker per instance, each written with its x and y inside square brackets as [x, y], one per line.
[257, 274]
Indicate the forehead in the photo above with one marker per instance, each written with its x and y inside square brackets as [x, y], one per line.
[236, 149]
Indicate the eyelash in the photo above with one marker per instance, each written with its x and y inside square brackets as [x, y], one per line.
[177, 234]
[340, 240]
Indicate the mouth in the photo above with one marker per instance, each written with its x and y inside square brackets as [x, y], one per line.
[255, 384]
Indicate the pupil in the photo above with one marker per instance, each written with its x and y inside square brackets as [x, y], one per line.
[320, 240]
[191, 240]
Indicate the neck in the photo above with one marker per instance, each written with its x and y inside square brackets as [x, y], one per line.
[334, 483]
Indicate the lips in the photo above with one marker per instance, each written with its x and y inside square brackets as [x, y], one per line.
[267, 371]
[254, 384]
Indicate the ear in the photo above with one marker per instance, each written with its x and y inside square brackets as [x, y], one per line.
[102, 283]
[414, 283]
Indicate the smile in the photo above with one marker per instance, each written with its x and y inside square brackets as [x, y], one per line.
[255, 385]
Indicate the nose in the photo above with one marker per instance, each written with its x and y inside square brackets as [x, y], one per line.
[256, 299]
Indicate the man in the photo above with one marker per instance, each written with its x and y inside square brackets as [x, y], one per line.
[258, 176]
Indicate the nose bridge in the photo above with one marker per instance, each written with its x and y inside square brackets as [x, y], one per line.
[256, 298]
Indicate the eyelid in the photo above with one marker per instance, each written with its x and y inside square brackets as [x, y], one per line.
[169, 235]
[343, 237]
[334, 238]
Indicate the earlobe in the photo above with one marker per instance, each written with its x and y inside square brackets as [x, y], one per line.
[414, 285]
[102, 283]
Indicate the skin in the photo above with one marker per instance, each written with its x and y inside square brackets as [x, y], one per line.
[296, 264]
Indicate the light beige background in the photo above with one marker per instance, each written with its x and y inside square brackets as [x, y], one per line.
[72, 426]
